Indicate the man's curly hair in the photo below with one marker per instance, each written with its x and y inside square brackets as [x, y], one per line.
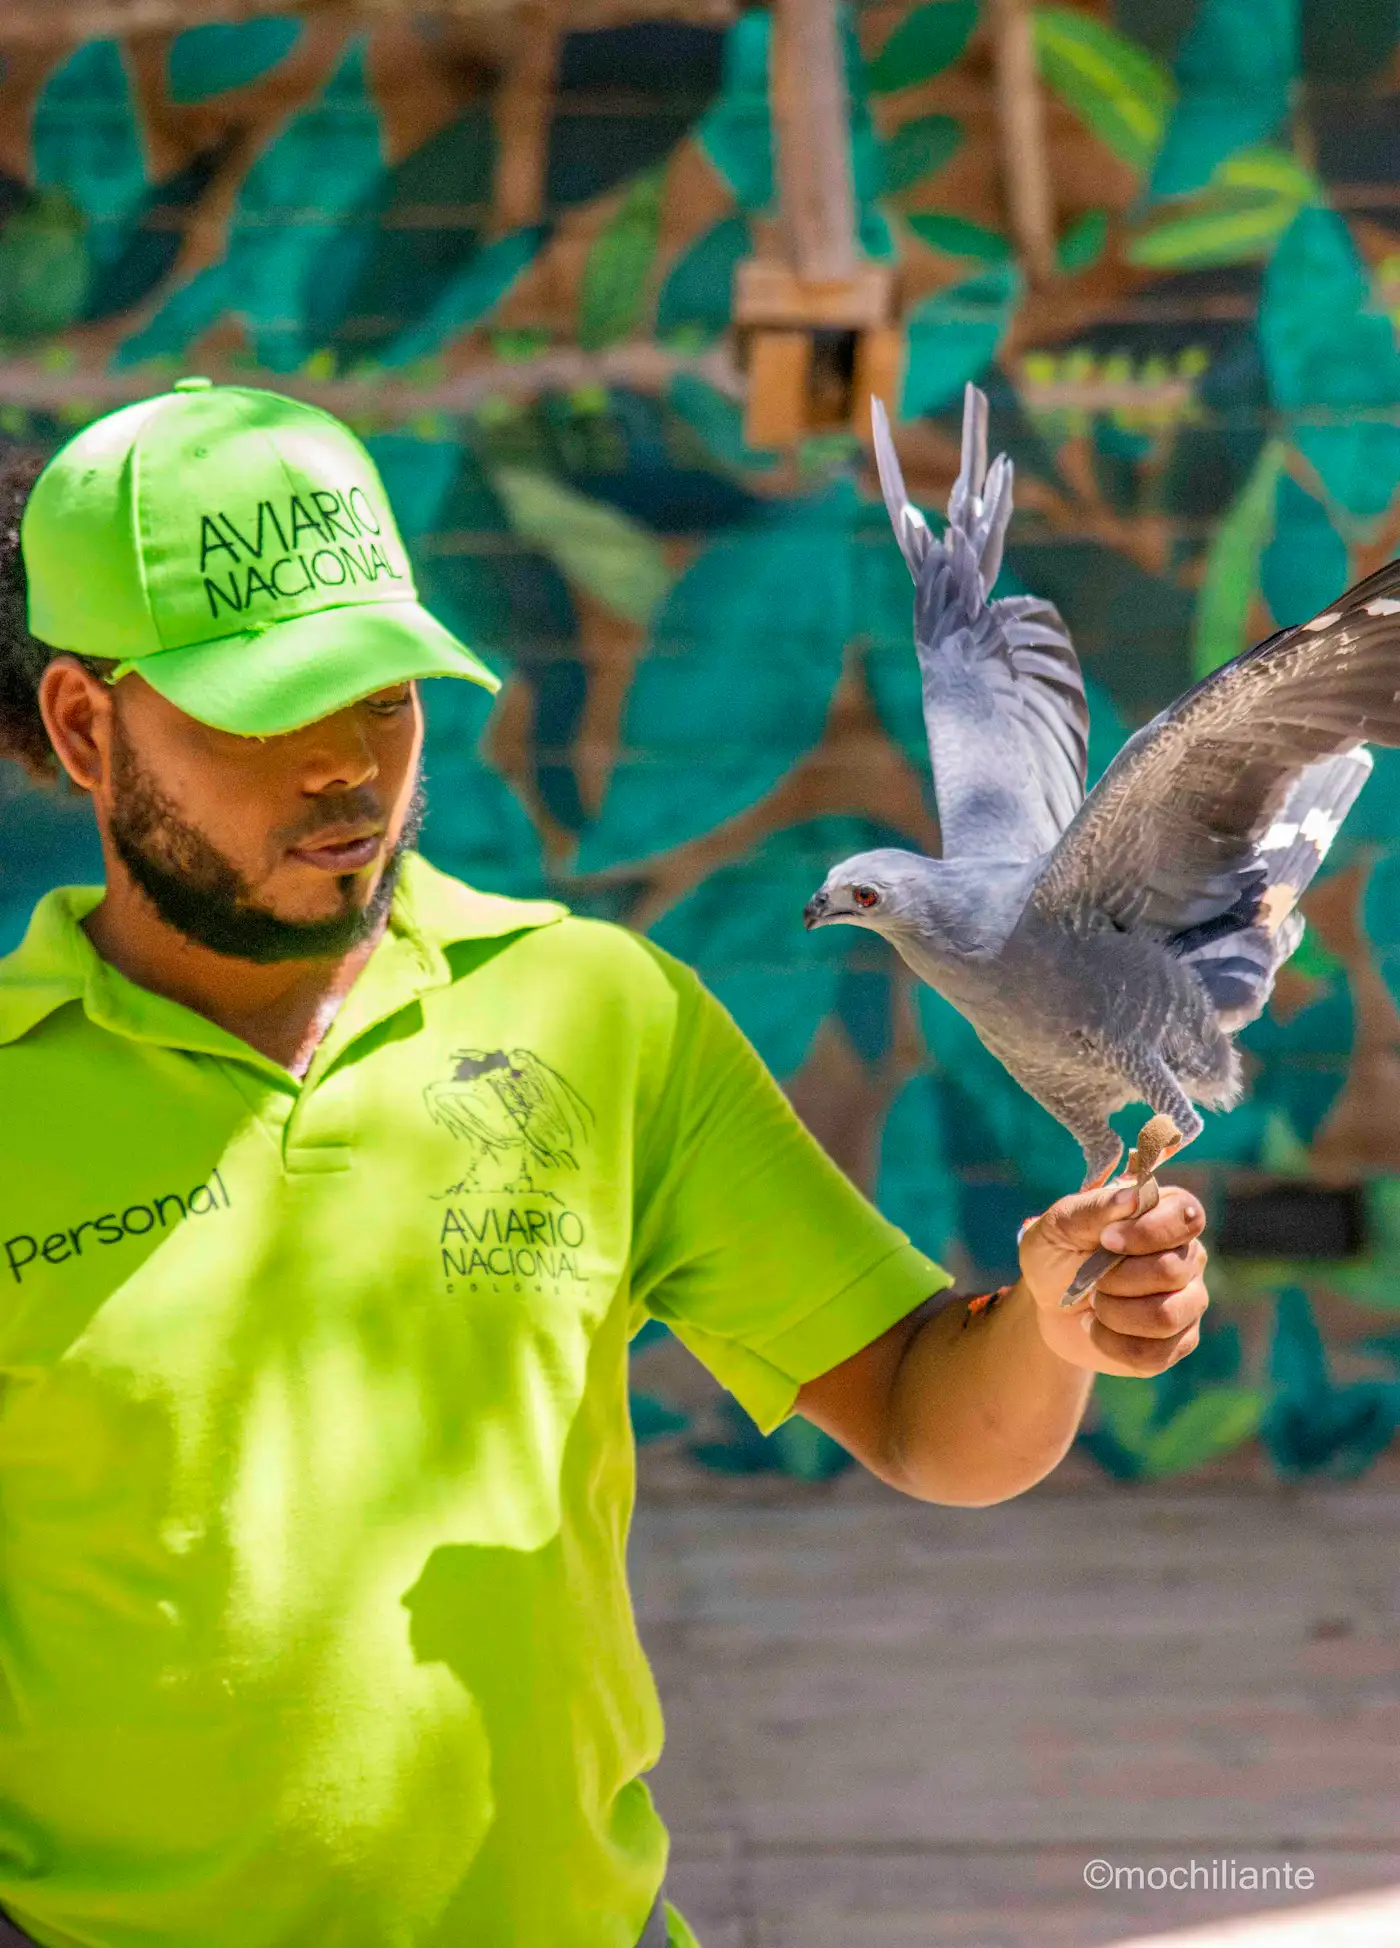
[23, 659]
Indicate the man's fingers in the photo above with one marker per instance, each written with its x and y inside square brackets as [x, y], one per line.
[1177, 1218]
[1161, 1271]
[1163, 1315]
[1080, 1223]
[1139, 1359]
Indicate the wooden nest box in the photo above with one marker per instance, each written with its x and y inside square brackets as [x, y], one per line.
[815, 320]
[814, 352]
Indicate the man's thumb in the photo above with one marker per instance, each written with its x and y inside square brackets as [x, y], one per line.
[1072, 1226]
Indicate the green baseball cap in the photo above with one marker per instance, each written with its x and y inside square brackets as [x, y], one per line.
[238, 549]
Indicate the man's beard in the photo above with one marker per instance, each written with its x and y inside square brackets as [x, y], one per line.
[202, 894]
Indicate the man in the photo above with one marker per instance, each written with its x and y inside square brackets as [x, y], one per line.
[332, 1191]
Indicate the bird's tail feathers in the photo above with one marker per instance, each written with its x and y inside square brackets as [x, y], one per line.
[1238, 968]
[911, 530]
[979, 507]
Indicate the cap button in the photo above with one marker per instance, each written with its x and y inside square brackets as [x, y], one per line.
[195, 384]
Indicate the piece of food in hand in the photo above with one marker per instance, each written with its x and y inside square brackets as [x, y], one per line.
[1107, 949]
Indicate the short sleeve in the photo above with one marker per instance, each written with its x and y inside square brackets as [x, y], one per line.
[749, 1242]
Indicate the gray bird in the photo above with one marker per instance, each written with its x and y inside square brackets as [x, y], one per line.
[1107, 949]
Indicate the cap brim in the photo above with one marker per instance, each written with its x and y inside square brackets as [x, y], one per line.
[268, 681]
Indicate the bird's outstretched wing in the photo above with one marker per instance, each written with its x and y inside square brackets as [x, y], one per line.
[1004, 701]
[1171, 836]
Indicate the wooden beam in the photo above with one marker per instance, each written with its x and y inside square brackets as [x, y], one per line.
[1025, 159]
[522, 109]
[780, 368]
[816, 192]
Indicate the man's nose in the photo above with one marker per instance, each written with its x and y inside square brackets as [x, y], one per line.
[340, 754]
[815, 908]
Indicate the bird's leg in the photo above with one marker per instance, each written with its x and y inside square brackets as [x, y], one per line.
[1159, 1088]
[1158, 1139]
[1103, 1149]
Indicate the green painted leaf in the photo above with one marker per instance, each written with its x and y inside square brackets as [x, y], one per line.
[1226, 226]
[958, 237]
[1126, 1444]
[1302, 1062]
[736, 130]
[1304, 565]
[1116, 88]
[1235, 70]
[1313, 1426]
[210, 60]
[404, 247]
[1380, 914]
[1240, 216]
[925, 42]
[1232, 566]
[86, 142]
[653, 1418]
[44, 266]
[698, 292]
[875, 235]
[1216, 1421]
[1083, 243]
[953, 337]
[612, 295]
[744, 655]
[476, 827]
[1328, 344]
[593, 545]
[469, 297]
[917, 149]
[796, 1448]
[741, 929]
[1272, 169]
[1143, 1429]
[718, 421]
[916, 1188]
[292, 206]
[186, 314]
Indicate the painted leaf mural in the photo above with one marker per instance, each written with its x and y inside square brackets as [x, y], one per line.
[743, 657]
[1235, 72]
[1116, 88]
[710, 690]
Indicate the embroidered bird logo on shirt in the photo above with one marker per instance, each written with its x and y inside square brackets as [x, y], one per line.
[512, 1110]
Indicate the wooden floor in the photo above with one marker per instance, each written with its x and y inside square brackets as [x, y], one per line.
[894, 1724]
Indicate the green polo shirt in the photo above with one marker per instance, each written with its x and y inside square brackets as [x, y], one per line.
[315, 1461]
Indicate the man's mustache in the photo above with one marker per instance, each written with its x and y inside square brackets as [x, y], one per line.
[360, 807]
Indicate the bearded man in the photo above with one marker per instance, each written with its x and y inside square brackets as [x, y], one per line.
[332, 1192]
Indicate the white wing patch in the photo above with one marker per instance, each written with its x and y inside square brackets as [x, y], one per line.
[1319, 828]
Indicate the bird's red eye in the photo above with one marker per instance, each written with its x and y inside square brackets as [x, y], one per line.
[865, 896]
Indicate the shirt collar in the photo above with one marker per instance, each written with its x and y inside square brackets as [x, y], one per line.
[56, 963]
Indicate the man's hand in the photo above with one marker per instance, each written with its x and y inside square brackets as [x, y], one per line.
[1145, 1314]
[969, 1404]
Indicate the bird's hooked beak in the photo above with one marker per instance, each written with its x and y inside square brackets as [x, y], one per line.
[817, 910]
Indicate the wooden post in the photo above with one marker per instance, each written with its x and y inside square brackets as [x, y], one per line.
[814, 153]
[1024, 154]
[524, 104]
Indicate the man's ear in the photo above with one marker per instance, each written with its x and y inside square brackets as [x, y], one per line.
[77, 712]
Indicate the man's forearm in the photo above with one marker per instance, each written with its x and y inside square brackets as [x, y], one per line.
[980, 1408]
